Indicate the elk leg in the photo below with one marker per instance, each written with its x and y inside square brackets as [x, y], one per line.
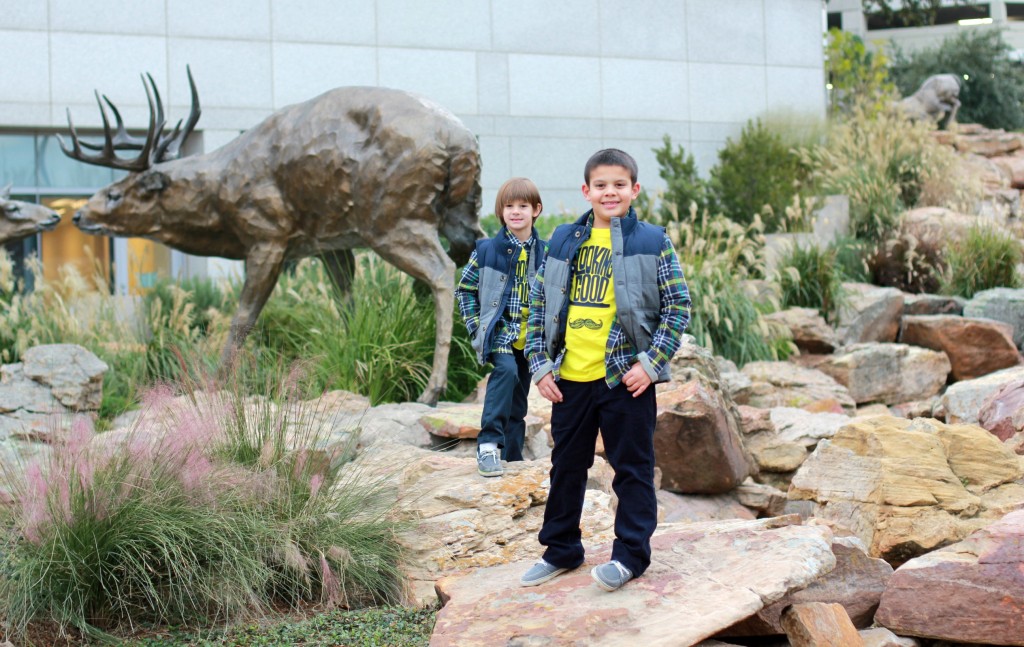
[421, 256]
[340, 265]
[262, 267]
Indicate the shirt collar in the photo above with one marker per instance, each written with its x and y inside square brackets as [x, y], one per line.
[519, 243]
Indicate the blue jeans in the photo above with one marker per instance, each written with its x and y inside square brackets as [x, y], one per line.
[627, 429]
[503, 421]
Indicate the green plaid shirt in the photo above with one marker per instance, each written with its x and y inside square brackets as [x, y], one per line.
[620, 355]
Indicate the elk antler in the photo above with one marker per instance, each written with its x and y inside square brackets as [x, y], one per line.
[157, 146]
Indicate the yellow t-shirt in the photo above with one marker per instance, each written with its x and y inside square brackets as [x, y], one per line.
[522, 286]
[591, 309]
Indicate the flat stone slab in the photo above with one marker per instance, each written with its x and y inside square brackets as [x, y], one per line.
[703, 577]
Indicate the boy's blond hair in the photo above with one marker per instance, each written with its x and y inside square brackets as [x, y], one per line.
[517, 188]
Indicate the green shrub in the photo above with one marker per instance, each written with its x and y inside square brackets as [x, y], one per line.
[985, 258]
[379, 342]
[856, 73]
[717, 255]
[885, 164]
[992, 86]
[684, 188]
[851, 258]
[811, 277]
[757, 174]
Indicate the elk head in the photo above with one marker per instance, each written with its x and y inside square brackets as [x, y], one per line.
[20, 219]
[125, 207]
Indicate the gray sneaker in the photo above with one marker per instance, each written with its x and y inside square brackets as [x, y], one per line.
[611, 576]
[539, 573]
[488, 463]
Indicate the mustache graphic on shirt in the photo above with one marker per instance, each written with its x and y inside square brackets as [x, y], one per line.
[576, 324]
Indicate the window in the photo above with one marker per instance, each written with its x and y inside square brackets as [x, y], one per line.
[37, 169]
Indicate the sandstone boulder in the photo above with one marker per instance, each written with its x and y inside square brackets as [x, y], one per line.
[1001, 304]
[704, 577]
[810, 332]
[73, 374]
[932, 304]
[975, 347]
[962, 402]
[1003, 412]
[783, 384]
[460, 520]
[697, 442]
[970, 592]
[888, 373]
[817, 624]
[856, 584]
[907, 487]
[870, 314]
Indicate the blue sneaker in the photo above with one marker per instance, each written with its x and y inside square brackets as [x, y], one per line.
[611, 576]
[539, 573]
[488, 463]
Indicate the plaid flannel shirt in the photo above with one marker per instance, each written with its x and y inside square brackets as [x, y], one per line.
[469, 301]
[620, 356]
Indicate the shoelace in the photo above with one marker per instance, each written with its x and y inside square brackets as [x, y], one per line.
[489, 452]
[624, 572]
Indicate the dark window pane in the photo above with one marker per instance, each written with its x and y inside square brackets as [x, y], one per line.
[57, 170]
[17, 161]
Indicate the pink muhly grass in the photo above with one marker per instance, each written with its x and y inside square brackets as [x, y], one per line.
[314, 484]
[158, 397]
[196, 470]
[331, 585]
[32, 502]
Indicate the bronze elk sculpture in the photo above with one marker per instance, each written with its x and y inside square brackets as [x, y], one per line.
[20, 219]
[354, 167]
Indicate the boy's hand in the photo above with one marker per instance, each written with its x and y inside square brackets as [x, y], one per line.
[549, 389]
[636, 380]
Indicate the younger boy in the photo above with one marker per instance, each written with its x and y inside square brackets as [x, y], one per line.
[493, 298]
[607, 312]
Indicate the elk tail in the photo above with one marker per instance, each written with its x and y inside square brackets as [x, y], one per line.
[460, 218]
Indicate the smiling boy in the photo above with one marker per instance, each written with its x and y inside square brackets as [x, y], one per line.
[493, 295]
[607, 311]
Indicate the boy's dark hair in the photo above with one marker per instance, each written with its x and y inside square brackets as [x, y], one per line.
[611, 157]
[513, 190]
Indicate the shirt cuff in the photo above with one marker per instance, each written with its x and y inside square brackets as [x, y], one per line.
[645, 362]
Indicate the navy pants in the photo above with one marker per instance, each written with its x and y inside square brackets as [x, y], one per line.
[503, 421]
[627, 429]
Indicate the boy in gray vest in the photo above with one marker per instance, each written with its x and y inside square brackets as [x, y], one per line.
[607, 312]
[493, 295]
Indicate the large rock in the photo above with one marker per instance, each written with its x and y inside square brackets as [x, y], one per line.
[870, 314]
[811, 333]
[697, 442]
[856, 583]
[907, 487]
[993, 143]
[1003, 412]
[971, 592]
[783, 384]
[888, 373]
[675, 508]
[461, 520]
[1001, 304]
[73, 374]
[975, 347]
[962, 402]
[703, 577]
[817, 624]
[932, 304]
